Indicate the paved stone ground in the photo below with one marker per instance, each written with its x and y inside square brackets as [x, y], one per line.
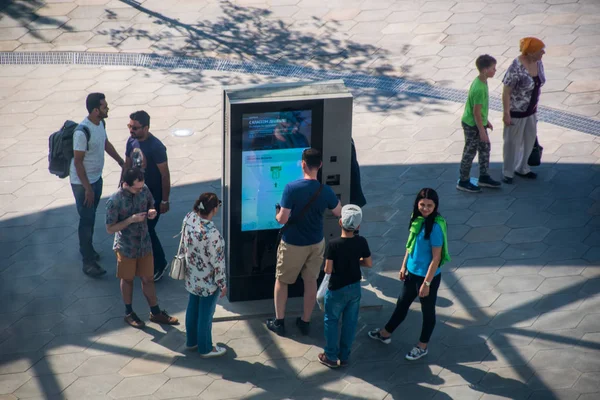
[432, 41]
[518, 311]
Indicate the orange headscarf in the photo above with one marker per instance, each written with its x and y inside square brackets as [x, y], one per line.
[530, 45]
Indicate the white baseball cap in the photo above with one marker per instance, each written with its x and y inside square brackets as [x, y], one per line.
[351, 217]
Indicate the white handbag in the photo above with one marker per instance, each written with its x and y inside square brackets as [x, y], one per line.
[178, 264]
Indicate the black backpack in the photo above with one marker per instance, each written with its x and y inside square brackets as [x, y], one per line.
[60, 148]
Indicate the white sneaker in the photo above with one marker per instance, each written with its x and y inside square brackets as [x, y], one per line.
[217, 352]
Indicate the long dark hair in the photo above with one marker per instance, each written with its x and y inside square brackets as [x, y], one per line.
[429, 194]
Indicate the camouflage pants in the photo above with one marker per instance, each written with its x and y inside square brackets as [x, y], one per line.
[473, 146]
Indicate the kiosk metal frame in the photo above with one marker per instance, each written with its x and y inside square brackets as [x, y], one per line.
[251, 255]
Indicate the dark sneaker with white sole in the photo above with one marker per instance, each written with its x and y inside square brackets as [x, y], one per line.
[274, 326]
[487, 181]
[507, 180]
[376, 335]
[416, 353]
[467, 186]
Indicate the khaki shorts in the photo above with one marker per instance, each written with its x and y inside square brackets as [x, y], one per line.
[295, 260]
[128, 268]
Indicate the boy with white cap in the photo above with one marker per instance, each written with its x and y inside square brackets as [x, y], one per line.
[345, 256]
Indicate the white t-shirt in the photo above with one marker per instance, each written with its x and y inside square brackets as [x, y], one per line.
[93, 162]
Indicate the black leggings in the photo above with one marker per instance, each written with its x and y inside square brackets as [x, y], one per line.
[410, 291]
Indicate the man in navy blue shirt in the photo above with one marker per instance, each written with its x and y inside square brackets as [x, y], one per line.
[302, 245]
[144, 150]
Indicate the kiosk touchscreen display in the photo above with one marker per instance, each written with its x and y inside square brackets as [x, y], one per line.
[272, 145]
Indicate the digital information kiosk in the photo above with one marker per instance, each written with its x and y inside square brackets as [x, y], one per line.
[265, 130]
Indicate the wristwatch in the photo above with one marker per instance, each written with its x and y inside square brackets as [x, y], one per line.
[164, 202]
[427, 283]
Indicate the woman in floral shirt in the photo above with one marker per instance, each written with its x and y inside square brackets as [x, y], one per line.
[522, 83]
[205, 273]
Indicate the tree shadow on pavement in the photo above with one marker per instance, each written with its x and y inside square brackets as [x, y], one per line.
[252, 34]
[24, 13]
[256, 35]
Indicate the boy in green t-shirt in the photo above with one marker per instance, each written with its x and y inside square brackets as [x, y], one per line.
[475, 124]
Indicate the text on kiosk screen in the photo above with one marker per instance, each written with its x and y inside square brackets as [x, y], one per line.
[272, 147]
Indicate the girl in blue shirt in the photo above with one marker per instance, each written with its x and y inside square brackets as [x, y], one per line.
[427, 249]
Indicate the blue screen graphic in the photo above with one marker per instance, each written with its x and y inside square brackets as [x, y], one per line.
[272, 148]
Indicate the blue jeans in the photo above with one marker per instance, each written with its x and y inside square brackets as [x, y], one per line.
[343, 303]
[87, 219]
[198, 321]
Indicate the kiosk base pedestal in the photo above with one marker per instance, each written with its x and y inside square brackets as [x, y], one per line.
[234, 311]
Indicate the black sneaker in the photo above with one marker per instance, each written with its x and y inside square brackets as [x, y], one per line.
[487, 181]
[93, 269]
[507, 180]
[276, 327]
[375, 334]
[529, 175]
[159, 274]
[467, 186]
[303, 326]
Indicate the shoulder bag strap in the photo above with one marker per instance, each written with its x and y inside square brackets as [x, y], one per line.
[305, 209]
[181, 238]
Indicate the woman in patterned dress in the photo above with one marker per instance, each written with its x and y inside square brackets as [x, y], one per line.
[522, 83]
[205, 273]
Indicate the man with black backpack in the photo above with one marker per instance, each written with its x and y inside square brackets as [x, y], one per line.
[89, 144]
